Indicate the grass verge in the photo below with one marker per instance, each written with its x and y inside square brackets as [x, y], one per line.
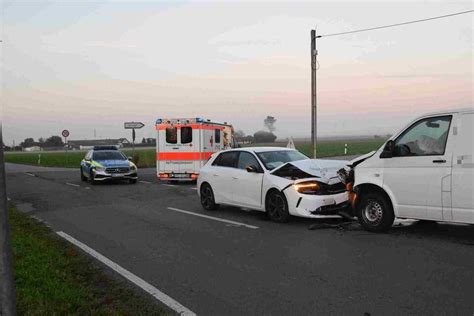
[53, 278]
[147, 157]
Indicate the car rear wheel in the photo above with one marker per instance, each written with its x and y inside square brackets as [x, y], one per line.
[277, 207]
[133, 181]
[375, 213]
[207, 198]
[83, 177]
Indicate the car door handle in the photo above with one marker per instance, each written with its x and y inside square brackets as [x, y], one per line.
[439, 161]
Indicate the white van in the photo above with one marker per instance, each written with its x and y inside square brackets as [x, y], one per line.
[425, 171]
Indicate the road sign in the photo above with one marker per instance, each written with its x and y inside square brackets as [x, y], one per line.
[65, 133]
[133, 125]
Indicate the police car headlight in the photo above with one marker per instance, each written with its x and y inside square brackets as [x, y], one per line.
[100, 169]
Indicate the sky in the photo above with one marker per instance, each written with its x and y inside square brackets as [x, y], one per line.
[89, 66]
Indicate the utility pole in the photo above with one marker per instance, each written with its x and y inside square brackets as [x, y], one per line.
[314, 113]
[7, 284]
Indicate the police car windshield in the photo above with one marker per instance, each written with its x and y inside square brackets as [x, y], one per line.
[273, 159]
[108, 155]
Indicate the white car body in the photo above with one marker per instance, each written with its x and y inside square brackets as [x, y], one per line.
[238, 187]
[435, 186]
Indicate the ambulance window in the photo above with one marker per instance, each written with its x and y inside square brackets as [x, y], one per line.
[217, 136]
[171, 135]
[186, 135]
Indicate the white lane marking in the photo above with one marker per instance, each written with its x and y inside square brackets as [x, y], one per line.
[162, 297]
[169, 185]
[72, 184]
[146, 182]
[194, 188]
[8, 199]
[30, 174]
[213, 218]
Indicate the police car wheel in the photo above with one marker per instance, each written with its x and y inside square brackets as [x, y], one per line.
[207, 198]
[91, 178]
[83, 177]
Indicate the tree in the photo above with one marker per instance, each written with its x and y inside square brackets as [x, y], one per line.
[239, 134]
[143, 140]
[28, 142]
[264, 137]
[269, 123]
[54, 141]
[41, 141]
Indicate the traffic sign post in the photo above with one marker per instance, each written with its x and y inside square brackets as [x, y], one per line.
[65, 134]
[133, 126]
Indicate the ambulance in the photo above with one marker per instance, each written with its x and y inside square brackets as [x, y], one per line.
[184, 145]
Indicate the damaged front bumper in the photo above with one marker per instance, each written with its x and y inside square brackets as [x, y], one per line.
[317, 206]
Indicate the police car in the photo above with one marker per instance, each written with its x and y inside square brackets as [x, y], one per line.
[107, 163]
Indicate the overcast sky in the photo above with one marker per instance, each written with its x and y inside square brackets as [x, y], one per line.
[85, 65]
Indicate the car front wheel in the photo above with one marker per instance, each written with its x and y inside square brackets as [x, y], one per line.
[83, 177]
[207, 198]
[375, 213]
[276, 207]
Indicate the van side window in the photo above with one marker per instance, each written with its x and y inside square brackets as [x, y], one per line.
[227, 159]
[217, 136]
[186, 135]
[426, 137]
[171, 135]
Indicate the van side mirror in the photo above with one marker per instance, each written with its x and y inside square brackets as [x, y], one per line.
[129, 158]
[251, 168]
[388, 150]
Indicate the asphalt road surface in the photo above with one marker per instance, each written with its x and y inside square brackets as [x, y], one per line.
[219, 268]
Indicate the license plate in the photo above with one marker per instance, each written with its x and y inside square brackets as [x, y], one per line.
[117, 175]
[180, 175]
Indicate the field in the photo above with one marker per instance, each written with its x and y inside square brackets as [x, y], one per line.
[146, 157]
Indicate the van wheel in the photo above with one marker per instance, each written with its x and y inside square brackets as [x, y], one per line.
[276, 207]
[375, 213]
[207, 198]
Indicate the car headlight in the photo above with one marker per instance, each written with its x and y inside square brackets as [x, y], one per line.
[100, 169]
[310, 187]
[133, 167]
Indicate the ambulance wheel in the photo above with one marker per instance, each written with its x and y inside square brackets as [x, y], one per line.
[207, 198]
[83, 177]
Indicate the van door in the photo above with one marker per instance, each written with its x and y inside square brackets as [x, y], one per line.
[421, 163]
[463, 171]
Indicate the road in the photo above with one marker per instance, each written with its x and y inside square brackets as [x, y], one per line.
[217, 268]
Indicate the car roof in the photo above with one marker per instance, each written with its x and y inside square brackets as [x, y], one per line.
[105, 147]
[262, 149]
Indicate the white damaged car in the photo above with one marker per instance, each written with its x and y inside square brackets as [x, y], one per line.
[278, 181]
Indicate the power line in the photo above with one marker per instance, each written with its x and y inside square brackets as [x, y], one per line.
[398, 24]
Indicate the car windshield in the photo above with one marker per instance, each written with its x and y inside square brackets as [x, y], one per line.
[108, 155]
[273, 159]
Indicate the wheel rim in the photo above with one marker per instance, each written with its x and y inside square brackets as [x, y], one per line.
[276, 206]
[373, 212]
[206, 197]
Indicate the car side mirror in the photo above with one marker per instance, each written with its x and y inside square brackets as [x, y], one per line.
[251, 168]
[130, 158]
[388, 150]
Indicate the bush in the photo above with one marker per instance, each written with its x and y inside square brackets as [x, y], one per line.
[264, 137]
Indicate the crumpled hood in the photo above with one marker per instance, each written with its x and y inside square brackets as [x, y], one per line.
[323, 169]
[114, 163]
[354, 162]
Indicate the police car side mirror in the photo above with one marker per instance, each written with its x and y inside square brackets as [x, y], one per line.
[130, 158]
